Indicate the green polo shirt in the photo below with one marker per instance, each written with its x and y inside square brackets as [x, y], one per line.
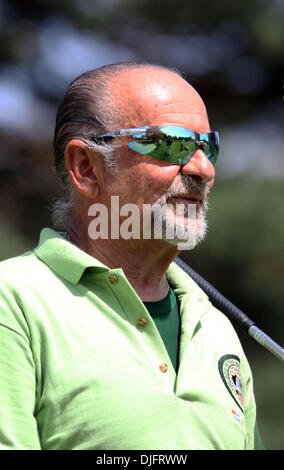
[83, 365]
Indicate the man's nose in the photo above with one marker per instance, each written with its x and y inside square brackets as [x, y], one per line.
[199, 167]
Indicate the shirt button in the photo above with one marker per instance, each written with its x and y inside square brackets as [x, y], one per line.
[142, 322]
[163, 367]
[113, 278]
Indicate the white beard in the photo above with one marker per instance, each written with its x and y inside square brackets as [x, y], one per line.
[184, 225]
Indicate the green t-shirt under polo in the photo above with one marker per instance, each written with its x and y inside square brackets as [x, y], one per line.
[165, 314]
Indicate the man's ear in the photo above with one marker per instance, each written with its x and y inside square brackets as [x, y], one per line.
[80, 164]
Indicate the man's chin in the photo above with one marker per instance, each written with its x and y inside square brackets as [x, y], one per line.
[185, 234]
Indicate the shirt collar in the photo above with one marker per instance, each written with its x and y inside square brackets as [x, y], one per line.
[63, 257]
[71, 262]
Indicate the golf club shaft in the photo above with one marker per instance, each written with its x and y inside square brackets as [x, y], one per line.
[265, 341]
[233, 312]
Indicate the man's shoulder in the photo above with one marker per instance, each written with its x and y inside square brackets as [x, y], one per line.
[37, 265]
[181, 280]
[17, 262]
[20, 269]
[215, 323]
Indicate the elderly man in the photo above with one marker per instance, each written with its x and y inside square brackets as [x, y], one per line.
[105, 342]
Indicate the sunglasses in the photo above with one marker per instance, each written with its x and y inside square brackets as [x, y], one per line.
[168, 143]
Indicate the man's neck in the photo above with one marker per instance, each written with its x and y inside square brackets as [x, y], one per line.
[144, 262]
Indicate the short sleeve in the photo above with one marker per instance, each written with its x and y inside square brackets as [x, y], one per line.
[18, 427]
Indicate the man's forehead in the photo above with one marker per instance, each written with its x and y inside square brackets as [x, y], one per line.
[139, 95]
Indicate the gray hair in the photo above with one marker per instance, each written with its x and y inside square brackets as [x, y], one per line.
[86, 111]
[62, 207]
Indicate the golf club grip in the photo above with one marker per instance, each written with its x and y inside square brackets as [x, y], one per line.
[217, 299]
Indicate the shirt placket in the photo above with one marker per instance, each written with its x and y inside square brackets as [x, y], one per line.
[144, 327]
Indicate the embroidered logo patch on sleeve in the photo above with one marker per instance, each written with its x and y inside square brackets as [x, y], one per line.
[229, 368]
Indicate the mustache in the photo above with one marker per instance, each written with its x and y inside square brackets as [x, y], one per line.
[190, 185]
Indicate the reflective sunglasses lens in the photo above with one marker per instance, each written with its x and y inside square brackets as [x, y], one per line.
[209, 152]
[178, 132]
[172, 144]
[173, 152]
[211, 147]
[214, 142]
[165, 143]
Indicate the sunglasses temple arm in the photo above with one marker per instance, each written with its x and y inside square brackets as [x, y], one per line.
[233, 312]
